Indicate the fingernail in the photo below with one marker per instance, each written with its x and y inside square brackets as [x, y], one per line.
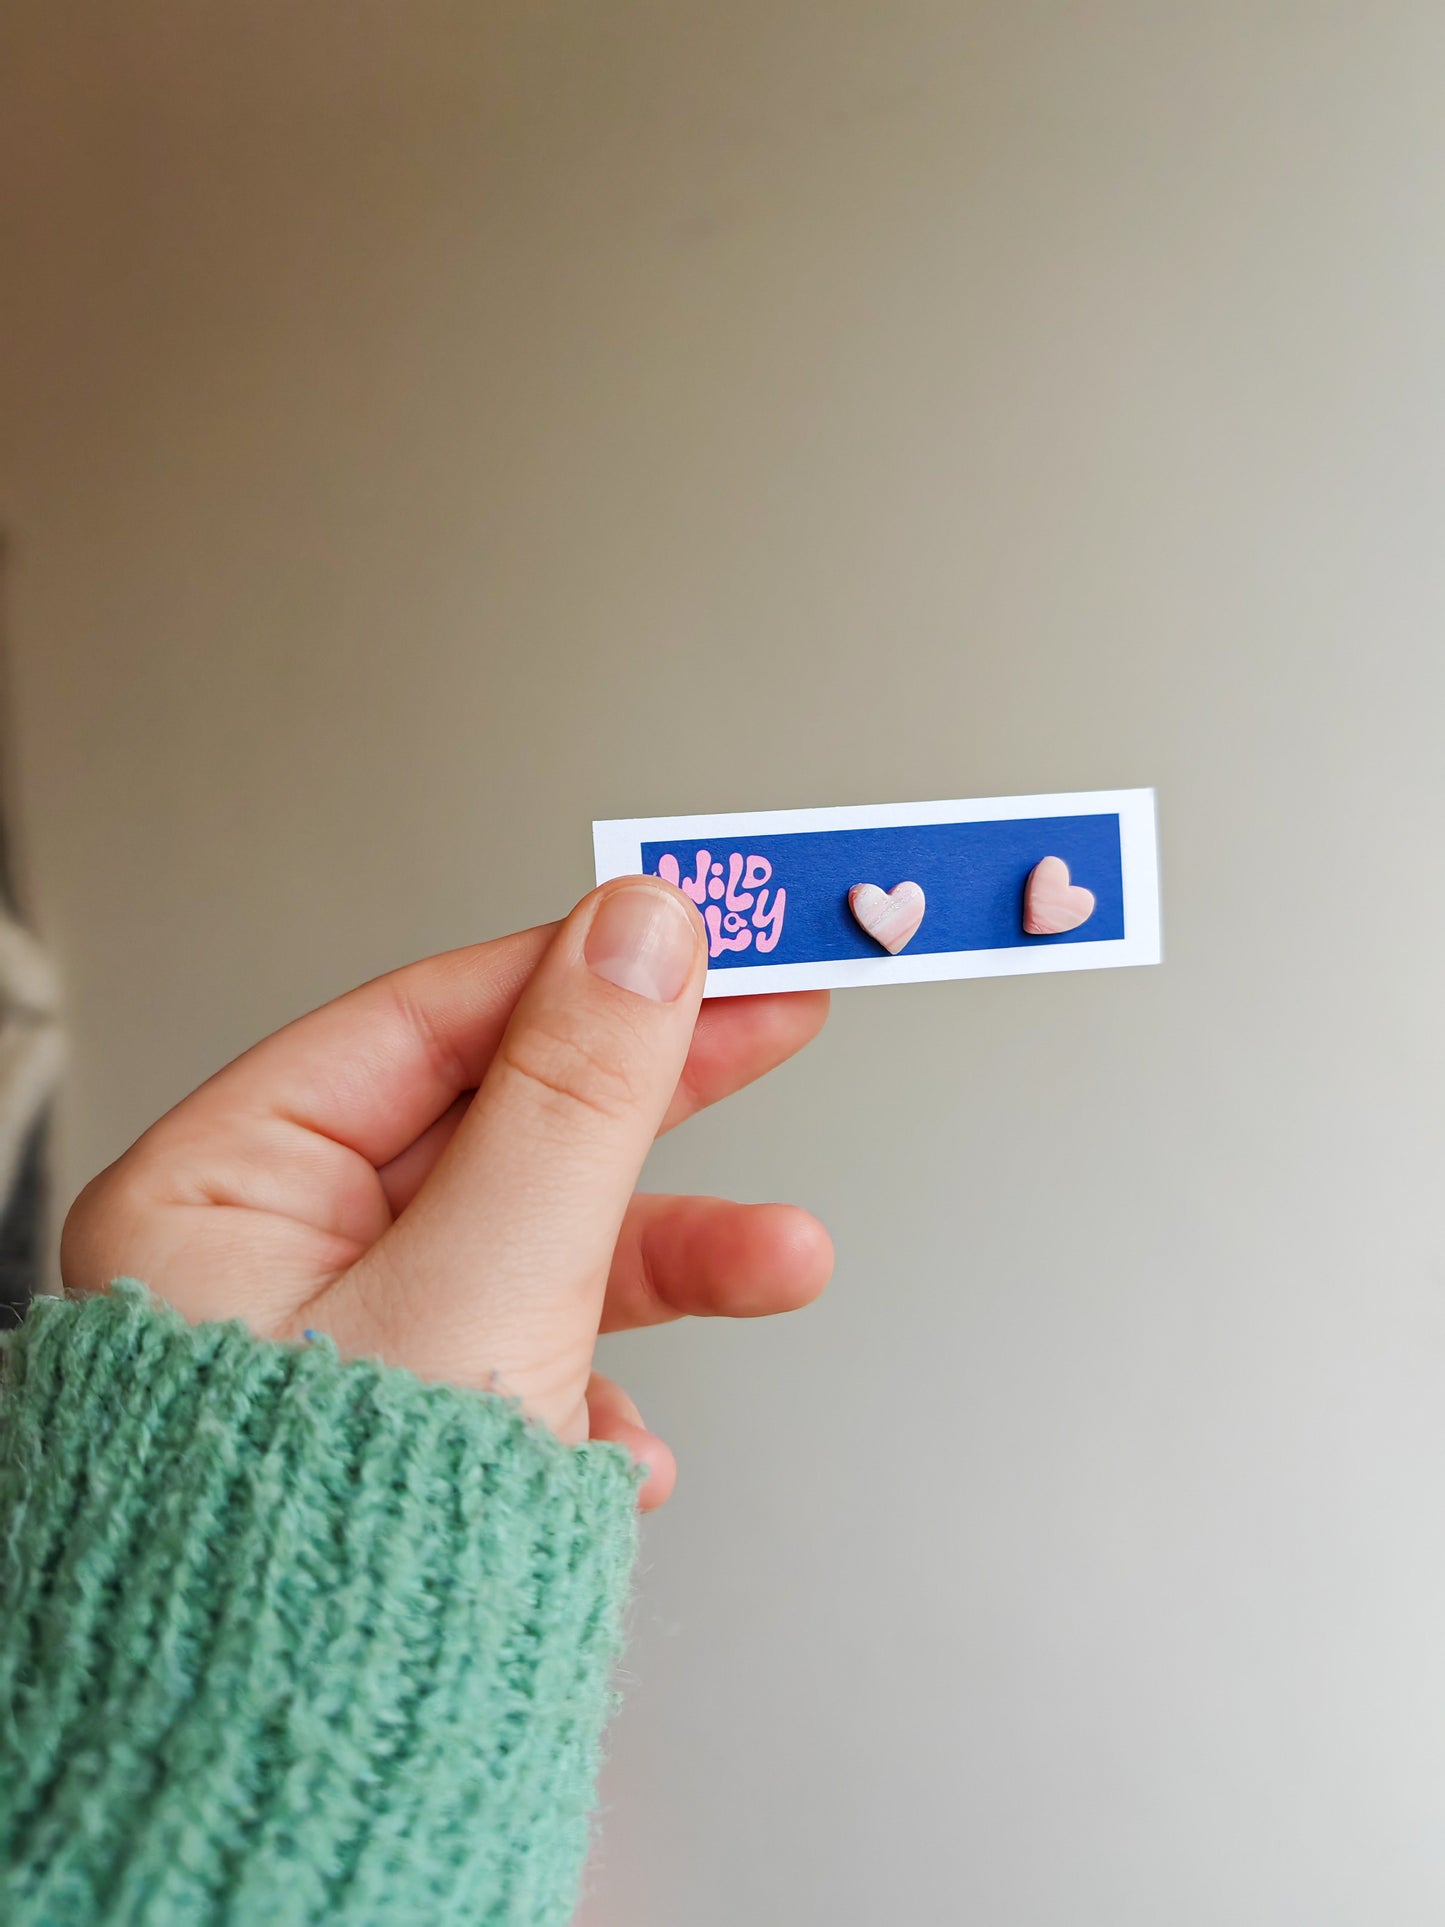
[642, 940]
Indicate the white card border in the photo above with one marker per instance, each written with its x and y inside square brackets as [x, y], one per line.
[617, 848]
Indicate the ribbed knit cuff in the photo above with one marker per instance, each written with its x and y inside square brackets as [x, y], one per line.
[289, 1640]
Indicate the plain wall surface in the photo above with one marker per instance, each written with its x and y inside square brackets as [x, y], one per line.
[425, 428]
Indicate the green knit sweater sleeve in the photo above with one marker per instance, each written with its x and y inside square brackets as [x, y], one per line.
[289, 1640]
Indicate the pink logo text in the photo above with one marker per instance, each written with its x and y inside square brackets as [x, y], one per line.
[734, 902]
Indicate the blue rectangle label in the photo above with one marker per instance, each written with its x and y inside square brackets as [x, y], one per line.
[785, 898]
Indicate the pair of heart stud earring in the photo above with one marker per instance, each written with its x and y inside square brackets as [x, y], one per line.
[1052, 904]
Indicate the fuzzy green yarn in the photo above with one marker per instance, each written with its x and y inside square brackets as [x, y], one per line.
[288, 1640]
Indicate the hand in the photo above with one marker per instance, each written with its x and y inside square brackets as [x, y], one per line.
[438, 1169]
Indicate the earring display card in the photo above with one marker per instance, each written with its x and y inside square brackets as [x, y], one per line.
[773, 886]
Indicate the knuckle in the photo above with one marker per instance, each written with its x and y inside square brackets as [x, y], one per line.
[569, 1071]
[75, 1230]
[88, 1233]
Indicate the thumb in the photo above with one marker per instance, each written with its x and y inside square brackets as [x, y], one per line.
[494, 1275]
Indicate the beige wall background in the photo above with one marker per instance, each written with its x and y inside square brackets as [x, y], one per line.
[429, 427]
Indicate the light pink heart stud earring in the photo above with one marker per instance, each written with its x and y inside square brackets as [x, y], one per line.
[890, 917]
[1051, 903]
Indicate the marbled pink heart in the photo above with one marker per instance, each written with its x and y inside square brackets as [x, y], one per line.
[890, 917]
[1051, 903]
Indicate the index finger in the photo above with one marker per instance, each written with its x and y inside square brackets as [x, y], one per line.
[380, 1068]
